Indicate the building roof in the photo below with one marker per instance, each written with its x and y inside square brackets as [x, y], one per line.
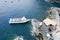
[48, 21]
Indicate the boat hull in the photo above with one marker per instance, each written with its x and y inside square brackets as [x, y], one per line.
[20, 22]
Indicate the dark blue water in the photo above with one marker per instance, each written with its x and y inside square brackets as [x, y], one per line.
[18, 8]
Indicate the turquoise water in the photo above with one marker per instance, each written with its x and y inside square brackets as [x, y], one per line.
[18, 8]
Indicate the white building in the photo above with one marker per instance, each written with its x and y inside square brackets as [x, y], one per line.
[50, 24]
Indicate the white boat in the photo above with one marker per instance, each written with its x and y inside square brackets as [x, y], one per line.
[19, 38]
[18, 20]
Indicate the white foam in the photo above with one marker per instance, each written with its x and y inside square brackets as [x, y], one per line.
[19, 38]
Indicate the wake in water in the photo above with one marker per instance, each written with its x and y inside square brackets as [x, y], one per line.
[19, 38]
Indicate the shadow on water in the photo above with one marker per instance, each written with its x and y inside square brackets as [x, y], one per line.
[12, 24]
[56, 4]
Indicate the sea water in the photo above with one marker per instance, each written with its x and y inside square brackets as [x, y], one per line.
[16, 9]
